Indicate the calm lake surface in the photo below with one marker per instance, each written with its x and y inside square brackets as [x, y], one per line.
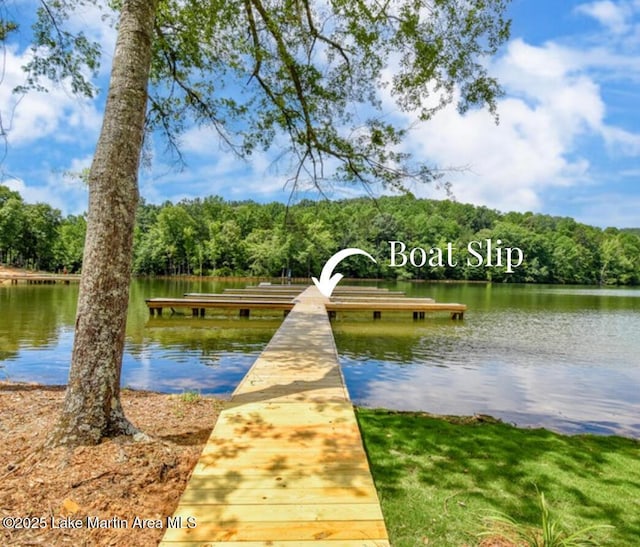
[563, 357]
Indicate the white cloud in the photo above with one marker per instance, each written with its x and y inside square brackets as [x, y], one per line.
[56, 115]
[210, 171]
[553, 105]
[622, 142]
[70, 196]
[614, 16]
[213, 169]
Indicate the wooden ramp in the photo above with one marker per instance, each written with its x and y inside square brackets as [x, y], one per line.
[285, 465]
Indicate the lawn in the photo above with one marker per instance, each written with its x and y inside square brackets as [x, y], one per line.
[439, 478]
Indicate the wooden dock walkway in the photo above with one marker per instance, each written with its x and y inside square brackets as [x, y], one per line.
[285, 464]
[39, 279]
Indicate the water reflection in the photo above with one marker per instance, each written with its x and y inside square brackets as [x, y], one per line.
[33, 318]
[209, 356]
[170, 355]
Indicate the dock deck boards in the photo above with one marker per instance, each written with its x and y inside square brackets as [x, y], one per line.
[360, 299]
[285, 464]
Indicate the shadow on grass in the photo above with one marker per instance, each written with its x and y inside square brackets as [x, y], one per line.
[455, 470]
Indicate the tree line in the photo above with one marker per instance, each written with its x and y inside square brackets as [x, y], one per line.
[212, 236]
[37, 236]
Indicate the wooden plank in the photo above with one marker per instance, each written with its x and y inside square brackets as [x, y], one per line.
[269, 288]
[277, 543]
[280, 513]
[301, 414]
[277, 464]
[290, 531]
[311, 396]
[379, 299]
[225, 296]
[260, 290]
[337, 291]
[39, 279]
[314, 445]
[256, 304]
[256, 431]
[253, 478]
[279, 496]
[316, 451]
[394, 306]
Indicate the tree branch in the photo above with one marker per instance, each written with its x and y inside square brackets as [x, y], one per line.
[322, 37]
[193, 97]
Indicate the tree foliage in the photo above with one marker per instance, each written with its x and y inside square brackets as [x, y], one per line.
[300, 238]
[211, 236]
[317, 78]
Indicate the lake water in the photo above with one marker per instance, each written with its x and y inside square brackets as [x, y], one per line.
[562, 357]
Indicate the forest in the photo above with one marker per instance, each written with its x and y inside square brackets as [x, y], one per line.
[211, 236]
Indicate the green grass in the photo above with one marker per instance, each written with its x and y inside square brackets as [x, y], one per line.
[439, 478]
[550, 531]
[190, 397]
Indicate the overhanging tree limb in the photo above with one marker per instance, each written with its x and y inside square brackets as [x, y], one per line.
[259, 69]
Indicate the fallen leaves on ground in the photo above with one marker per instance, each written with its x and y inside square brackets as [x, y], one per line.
[115, 481]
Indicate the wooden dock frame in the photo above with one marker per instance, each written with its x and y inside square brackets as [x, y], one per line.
[40, 279]
[418, 306]
[198, 306]
[285, 464]
[360, 300]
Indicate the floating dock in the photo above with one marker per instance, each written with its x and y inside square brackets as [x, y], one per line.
[284, 297]
[199, 305]
[285, 464]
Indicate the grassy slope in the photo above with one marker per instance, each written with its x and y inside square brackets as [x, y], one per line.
[437, 479]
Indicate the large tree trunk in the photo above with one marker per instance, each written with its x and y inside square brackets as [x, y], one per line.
[92, 408]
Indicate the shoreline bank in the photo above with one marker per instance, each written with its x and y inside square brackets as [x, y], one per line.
[435, 475]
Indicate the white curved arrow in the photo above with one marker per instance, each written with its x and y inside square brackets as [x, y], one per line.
[327, 283]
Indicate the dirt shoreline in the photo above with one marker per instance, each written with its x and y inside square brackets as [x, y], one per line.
[112, 483]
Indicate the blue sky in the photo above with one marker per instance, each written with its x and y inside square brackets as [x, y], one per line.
[568, 142]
